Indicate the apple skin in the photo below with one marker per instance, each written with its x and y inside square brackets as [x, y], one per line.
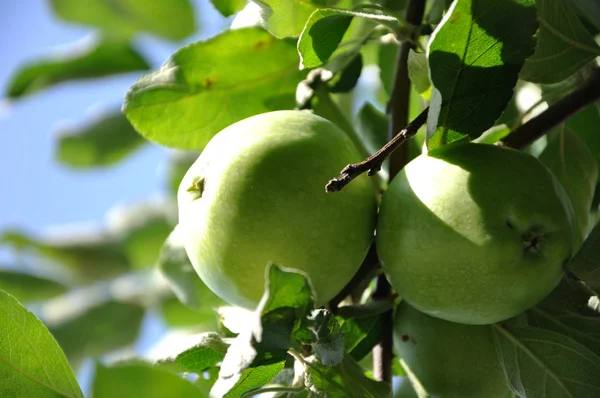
[263, 200]
[474, 233]
[450, 360]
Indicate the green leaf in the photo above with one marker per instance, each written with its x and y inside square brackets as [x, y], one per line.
[567, 311]
[346, 80]
[229, 7]
[29, 288]
[585, 125]
[172, 19]
[286, 18]
[538, 362]
[259, 352]
[251, 379]
[177, 314]
[325, 30]
[586, 263]
[576, 169]
[31, 362]
[103, 57]
[175, 265]
[387, 65]
[361, 335]
[589, 9]
[101, 329]
[418, 72]
[564, 45]
[372, 126]
[208, 85]
[92, 257]
[140, 380]
[207, 353]
[105, 141]
[143, 228]
[345, 380]
[474, 60]
[323, 332]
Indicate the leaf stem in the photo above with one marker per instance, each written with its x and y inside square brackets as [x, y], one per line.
[556, 113]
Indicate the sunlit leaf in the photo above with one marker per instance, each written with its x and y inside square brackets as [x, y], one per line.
[209, 351]
[474, 60]
[173, 19]
[103, 57]
[564, 45]
[140, 380]
[211, 84]
[105, 141]
[31, 362]
[229, 7]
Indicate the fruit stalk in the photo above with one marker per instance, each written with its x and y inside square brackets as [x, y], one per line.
[555, 114]
[397, 110]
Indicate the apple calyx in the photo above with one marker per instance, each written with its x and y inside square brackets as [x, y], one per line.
[197, 187]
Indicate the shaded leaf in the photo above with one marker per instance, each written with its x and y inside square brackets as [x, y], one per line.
[542, 363]
[229, 7]
[324, 31]
[172, 20]
[104, 142]
[29, 288]
[89, 257]
[345, 380]
[140, 380]
[101, 58]
[564, 45]
[474, 60]
[346, 80]
[175, 265]
[211, 84]
[361, 335]
[586, 124]
[575, 167]
[31, 363]
[589, 9]
[101, 329]
[387, 65]
[586, 263]
[209, 351]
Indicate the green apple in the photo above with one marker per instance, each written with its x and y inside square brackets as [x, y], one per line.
[474, 233]
[257, 195]
[450, 360]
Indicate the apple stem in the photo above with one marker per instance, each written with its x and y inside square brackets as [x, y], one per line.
[556, 113]
[373, 163]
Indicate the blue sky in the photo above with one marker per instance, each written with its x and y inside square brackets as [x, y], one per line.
[37, 193]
